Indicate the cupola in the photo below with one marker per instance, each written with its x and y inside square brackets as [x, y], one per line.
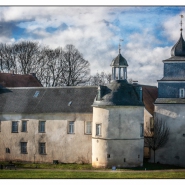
[119, 67]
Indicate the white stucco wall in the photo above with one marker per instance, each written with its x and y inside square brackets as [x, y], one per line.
[120, 136]
[174, 151]
[61, 146]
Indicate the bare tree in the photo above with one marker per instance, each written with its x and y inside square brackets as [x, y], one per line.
[76, 68]
[158, 136]
[28, 55]
[7, 58]
[100, 79]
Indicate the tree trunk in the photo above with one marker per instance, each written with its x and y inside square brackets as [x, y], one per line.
[154, 156]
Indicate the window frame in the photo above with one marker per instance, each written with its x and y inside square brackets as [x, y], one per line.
[99, 133]
[181, 95]
[142, 130]
[24, 127]
[42, 127]
[24, 148]
[88, 127]
[42, 148]
[14, 126]
[71, 127]
[0, 125]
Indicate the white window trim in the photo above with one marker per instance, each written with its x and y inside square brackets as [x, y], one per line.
[87, 126]
[69, 128]
[141, 130]
[100, 129]
[181, 89]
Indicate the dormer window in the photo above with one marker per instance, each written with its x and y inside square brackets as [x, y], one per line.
[181, 93]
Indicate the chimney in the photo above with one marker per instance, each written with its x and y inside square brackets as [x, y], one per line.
[33, 74]
[135, 82]
[12, 72]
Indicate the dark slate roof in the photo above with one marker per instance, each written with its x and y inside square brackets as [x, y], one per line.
[18, 80]
[179, 48]
[118, 92]
[170, 101]
[175, 58]
[119, 61]
[150, 94]
[49, 100]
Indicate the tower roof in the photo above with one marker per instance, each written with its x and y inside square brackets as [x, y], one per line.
[179, 48]
[119, 61]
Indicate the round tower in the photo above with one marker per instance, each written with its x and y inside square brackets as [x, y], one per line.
[118, 113]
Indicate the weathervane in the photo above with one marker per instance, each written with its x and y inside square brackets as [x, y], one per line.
[181, 22]
[120, 40]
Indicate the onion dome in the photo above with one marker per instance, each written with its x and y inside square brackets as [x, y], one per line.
[179, 48]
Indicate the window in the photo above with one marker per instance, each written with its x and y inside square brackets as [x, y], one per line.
[7, 150]
[0, 126]
[42, 148]
[181, 93]
[41, 126]
[88, 127]
[14, 126]
[23, 147]
[24, 126]
[98, 129]
[71, 127]
[141, 130]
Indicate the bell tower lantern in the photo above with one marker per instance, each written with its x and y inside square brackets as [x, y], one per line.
[119, 67]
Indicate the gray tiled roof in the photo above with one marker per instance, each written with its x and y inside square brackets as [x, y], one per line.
[49, 100]
[179, 48]
[170, 101]
[119, 61]
[119, 92]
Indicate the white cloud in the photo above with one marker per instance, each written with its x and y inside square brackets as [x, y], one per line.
[88, 31]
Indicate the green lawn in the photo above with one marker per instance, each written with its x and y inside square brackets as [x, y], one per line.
[58, 174]
[86, 171]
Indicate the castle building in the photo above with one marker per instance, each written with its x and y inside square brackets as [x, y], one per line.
[118, 121]
[170, 105]
[99, 125]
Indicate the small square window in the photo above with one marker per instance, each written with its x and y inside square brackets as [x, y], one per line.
[24, 126]
[42, 148]
[7, 150]
[23, 147]
[71, 127]
[14, 126]
[88, 127]
[41, 126]
[98, 129]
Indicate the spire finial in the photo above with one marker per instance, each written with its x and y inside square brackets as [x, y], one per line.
[120, 40]
[181, 22]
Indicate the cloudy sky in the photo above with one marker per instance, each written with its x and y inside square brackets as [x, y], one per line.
[149, 32]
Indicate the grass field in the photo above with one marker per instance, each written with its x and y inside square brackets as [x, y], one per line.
[86, 171]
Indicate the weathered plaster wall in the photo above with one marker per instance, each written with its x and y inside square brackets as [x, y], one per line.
[174, 151]
[120, 136]
[67, 148]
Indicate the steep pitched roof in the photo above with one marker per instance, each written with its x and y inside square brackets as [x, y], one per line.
[18, 80]
[47, 100]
